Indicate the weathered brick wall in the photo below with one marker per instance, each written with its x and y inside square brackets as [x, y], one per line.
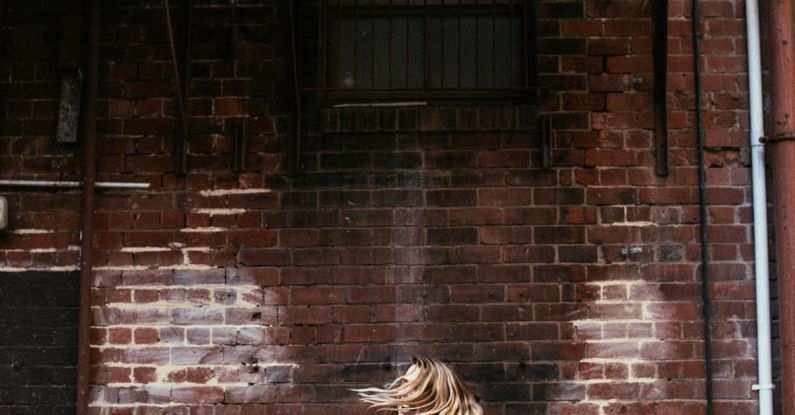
[432, 231]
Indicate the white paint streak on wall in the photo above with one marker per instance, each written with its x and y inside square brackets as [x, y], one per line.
[53, 269]
[637, 224]
[44, 250]
[148, 268]
[182, 353]
[225, 192]
[608, 350]
[145, 249]
[220, 212]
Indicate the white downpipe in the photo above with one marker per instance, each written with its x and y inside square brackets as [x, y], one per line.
[765, 381]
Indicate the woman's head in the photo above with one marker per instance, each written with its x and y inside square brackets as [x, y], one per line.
[428, 387]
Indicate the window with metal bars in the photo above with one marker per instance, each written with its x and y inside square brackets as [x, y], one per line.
[427, 49]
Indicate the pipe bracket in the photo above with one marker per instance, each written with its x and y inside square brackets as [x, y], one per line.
[758, 387]
[782, 136]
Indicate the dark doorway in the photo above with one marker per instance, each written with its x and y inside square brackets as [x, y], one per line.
[38, 342]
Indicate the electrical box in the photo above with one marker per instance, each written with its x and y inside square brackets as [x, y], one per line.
[3, 212]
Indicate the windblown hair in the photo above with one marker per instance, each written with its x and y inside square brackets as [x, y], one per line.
[431, 388]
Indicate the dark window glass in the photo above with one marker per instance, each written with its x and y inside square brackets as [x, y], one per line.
[416, 47]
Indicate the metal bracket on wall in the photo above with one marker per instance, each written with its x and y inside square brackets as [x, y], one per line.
[69, 55]
[781, 136]
[239, 155]
[3, 212]
[659, 24]
[545, 133]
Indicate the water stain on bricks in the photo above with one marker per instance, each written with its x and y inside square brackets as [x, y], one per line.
[670, 253]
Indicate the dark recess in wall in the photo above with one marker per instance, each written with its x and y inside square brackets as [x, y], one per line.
[38, 342]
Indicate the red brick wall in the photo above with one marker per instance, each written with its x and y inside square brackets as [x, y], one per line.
[430, 231]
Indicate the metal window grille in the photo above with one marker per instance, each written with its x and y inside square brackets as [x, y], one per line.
[394, 49]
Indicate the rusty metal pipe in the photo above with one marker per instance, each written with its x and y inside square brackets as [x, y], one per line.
[659, 24]
[90, 173]
[182, 117]
[295, 129]
[703, 218]
[782, 69]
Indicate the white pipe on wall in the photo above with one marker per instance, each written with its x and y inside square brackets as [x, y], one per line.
[71, 184]
[764, 360]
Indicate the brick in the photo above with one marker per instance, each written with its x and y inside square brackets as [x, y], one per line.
[477, 293]
[197, 394]
[556, 234]
[267, 257]
[452, 313]
[226, 106]
[317, 295]
[449, 198]
[304, 315]
[506, 158]
[452, 236]
[533, 293]
[583, 101]
[376, 295]
[505, 197]
[416, 217]
[299, 237]
[145, 374]
[559, 391]
[405, 198]
[368, 333]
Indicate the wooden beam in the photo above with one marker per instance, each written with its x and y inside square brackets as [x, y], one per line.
[239, 153]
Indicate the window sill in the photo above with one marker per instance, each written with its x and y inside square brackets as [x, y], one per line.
[431, 118]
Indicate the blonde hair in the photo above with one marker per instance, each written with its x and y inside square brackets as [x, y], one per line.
[431, 388]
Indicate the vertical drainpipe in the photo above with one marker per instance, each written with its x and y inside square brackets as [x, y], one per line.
[87, 231]
[782, 81]
[759, 187]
